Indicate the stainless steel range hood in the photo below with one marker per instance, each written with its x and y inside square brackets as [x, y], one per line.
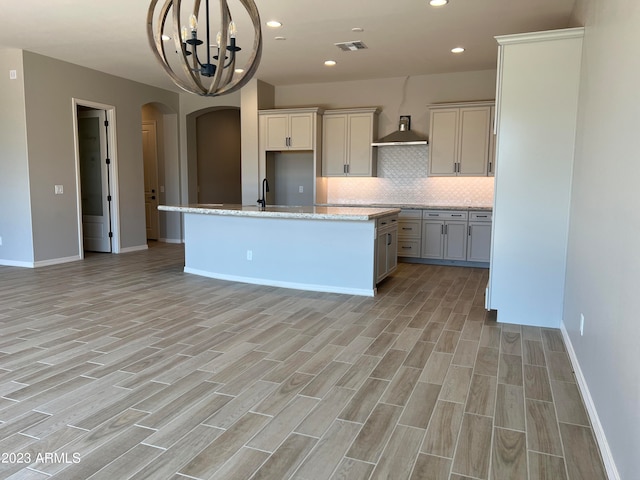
[402, 136]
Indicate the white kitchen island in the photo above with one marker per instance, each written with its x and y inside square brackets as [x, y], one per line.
[326, 249]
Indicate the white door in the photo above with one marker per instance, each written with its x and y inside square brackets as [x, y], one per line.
[150, 156]
[94, 180]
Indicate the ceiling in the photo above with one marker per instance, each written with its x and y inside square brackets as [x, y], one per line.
[404, 37]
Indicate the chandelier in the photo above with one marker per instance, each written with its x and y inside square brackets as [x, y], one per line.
[191, 64]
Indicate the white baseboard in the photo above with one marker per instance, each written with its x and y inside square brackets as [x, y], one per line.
[281, 284]
[57, 261]
[137, 248]
[171, 240]
[15, 263]
[605, 451]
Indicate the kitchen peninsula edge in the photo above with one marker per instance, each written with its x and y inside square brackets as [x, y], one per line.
[322, 248]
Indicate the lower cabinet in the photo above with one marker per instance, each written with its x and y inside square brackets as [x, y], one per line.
[386, 246]
[444, 235]
[479, 237]
[409, 233]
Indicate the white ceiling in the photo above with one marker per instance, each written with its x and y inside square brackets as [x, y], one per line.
[405, 37]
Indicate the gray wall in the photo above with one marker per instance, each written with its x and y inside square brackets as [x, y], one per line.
[218, 147]
[15, 202]
[603, 263]
[286, 173]
[50, 86]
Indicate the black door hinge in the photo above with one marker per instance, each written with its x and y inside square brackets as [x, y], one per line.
[106, 123]
[110, 234]
[108, 160]
[108, 198]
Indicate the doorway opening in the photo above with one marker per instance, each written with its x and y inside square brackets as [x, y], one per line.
[151, 189]
[96, 181]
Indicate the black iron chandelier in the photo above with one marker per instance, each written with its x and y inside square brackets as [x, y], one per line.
[191, 64]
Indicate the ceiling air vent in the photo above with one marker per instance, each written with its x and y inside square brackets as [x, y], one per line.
[351, 46]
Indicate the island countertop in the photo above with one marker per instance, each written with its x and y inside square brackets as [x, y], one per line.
[280, 211]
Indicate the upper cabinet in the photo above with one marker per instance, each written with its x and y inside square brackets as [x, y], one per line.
[346, 142]
[460, 139]
[289, 129]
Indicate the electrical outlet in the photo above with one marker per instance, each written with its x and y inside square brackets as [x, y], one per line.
[581, 324]
[13, 74]
[59, 189]
[300, 189]
[249, 254]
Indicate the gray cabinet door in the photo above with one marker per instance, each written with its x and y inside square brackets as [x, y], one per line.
[432, 239]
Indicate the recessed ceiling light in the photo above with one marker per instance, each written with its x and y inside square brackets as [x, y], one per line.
[280, 38]
[166, 38]
[457, 50]
[357, 29]
[438, 3]
[330, 63]
[274, 24]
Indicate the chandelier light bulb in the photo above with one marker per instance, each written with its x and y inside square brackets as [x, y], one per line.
[219, 39]
[185, 34]
[193, 22]
[232, 29]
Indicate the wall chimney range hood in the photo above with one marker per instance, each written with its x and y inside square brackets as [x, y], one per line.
[402, 136]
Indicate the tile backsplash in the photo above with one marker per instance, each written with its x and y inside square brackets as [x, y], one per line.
[402, 179]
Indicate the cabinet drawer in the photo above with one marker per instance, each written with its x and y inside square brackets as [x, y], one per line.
[408, 248]
[410, 213]
[480, 216]
[444, 215]
[387, 221]
[409, 228]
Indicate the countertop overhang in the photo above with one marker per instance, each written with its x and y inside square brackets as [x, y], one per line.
[359, 213]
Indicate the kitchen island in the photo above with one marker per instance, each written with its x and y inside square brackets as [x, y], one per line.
[327, 249]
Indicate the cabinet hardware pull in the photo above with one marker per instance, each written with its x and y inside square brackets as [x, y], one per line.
[456, 214]
[441, 229]
[406, 248]
[434, 214]
[407, 228]
[469, 230]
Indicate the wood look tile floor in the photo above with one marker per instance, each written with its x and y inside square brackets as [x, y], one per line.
[122, 366]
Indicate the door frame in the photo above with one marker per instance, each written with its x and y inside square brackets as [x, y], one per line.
[112, 167]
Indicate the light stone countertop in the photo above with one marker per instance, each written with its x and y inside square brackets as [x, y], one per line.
[357, 213]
